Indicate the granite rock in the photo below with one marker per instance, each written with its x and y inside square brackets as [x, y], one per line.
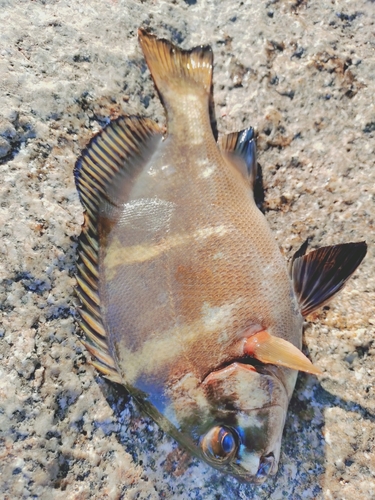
[302, 73]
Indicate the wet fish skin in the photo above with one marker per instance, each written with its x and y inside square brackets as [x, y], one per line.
[182, 283]
[218, 221]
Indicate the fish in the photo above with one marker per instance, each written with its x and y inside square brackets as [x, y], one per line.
[185, 297]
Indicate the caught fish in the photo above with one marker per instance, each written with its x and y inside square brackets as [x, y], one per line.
[186, 298]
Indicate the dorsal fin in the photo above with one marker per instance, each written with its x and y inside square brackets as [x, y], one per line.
[320, 274]
[103, 171]
[174, 68]
[239, 149]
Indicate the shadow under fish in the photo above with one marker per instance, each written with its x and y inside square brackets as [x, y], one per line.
[186, 298]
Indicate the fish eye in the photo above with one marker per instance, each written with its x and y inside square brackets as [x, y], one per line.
[220, 443]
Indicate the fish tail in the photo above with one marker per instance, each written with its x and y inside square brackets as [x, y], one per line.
[175, 70]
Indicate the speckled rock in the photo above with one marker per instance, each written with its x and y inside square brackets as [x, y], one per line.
[302, 73]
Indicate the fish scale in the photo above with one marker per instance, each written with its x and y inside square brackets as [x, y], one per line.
[186, 298]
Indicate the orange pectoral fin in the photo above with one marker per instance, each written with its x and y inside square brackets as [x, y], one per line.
[274, 350]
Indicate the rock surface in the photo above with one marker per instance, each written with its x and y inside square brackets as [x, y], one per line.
[303, 73]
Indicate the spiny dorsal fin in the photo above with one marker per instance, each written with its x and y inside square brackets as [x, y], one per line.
[239, 149]
[173, 67]
[102, 172]
[320, 274]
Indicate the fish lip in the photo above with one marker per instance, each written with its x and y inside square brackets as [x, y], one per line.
[259, 367]
[227, 365]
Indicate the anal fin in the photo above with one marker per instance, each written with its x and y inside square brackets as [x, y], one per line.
[239, 149]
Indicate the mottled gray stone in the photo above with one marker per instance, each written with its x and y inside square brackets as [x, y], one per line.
[303, 74]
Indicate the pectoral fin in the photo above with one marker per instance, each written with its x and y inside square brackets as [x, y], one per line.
[274, 350]
[320, 274]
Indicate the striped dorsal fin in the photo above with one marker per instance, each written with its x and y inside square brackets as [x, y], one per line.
[106, 166]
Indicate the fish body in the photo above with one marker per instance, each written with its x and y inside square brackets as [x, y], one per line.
[187, 300]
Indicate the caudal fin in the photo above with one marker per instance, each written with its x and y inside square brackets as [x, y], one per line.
[174, 69]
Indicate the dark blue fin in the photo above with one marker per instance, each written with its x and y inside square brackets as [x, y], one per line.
[239, 149]
[320, 274]
[300, 253]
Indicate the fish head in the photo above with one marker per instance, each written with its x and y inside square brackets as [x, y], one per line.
[250, 413]
[238, 419]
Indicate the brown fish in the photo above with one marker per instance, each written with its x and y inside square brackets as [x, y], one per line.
[186, 298]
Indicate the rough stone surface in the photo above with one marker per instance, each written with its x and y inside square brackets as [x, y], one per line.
[302, 72]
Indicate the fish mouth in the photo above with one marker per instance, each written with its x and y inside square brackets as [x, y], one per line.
[267, 467]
